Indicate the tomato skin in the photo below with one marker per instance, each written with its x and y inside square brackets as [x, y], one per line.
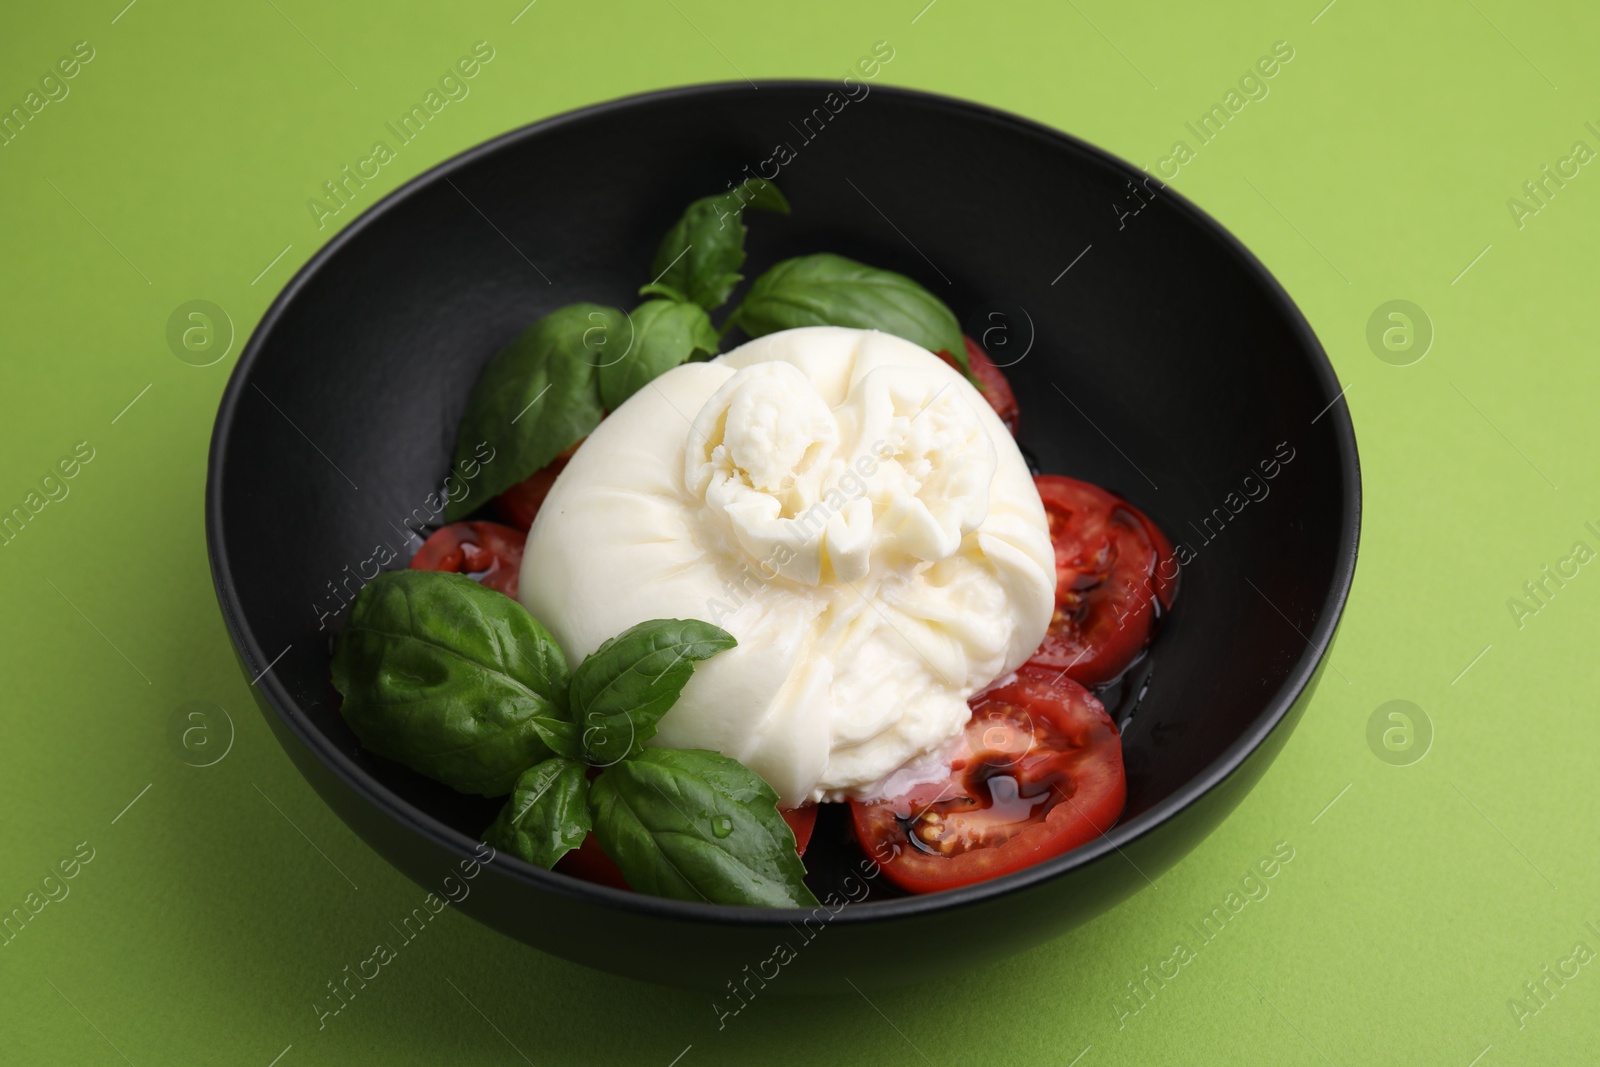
[1115, 573]
[1057, 754]
[589, 861]
[992, 383]
[802, 821]
[521, 503]
[489, 553]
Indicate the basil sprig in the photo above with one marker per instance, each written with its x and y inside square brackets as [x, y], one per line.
[461, 684]
[698, 260]
[829, 290]
[551, 386]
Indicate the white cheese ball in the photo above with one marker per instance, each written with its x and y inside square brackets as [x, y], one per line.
[850, 509]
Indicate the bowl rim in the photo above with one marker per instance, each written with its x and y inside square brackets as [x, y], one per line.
[1116, 839]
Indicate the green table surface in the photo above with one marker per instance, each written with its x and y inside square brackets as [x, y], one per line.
[1386, 161]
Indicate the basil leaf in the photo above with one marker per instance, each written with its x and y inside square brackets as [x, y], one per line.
[620, 692]
[663, 290]
[455, 681]
[537, 397]
[547, 815]
[559, 735]
[665, 334]
[762, 194]
[830, 290]
[699, 258]
[696, 825]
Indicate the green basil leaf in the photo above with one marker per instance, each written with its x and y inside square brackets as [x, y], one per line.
[547, 815]
[537, 397]
[455, 681]
[830, 290]
[665, 334]
[620, 692]
[696, 825]
[763, 195]
[700, 257]
[664, 290]
[559, 735]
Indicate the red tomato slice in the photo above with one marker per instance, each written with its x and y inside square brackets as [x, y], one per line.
[802, 821]
[486, 552]
[1041, 775]
[1114, 571]
[589, 861]
[519, 504]
[992, 383]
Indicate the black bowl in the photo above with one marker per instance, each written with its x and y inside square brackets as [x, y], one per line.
[1151, 353]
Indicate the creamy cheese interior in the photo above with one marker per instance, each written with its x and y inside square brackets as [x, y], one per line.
[844, 504]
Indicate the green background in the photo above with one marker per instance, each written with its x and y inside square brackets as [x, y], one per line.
[1420, 897]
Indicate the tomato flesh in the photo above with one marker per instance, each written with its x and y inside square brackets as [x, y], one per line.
[992, 383]
[1039, 774]
[1115, 573]
[486, 552]
[589, 861]
[521, 503]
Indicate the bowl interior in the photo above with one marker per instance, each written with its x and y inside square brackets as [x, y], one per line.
[1150, 354]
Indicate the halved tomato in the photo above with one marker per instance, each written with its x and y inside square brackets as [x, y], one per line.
[589, 861]
[1041, 774]
[486, 552]
[992, 383]
[1114, 572]
[519, 504]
